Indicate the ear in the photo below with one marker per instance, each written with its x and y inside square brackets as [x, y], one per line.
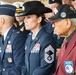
[68, 23]
[39, 19]
[2, 21]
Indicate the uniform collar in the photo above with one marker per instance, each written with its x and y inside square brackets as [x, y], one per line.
[71, 35]
[20, 23]
[34, 36]
[5, 34]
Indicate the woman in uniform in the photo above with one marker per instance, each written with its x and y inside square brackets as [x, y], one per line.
[40, 45]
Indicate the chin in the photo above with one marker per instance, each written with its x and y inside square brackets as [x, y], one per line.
[58, 34]
[27, 29]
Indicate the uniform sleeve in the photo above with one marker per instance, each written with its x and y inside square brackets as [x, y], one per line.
[47, 60]
[18, 55]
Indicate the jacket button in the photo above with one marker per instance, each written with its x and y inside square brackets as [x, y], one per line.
[3, 60]
[0, 51]
[3, 69]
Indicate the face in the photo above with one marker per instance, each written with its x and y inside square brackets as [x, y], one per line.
[66, 2]
[74, 4]
[61, 28]
[1, 24]
[0, 29]
[32, 22]
[20, 18]
[52, 7]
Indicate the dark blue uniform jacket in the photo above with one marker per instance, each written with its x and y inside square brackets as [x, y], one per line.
[12, 53]
[40, 54]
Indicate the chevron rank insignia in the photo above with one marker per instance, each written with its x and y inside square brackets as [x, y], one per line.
[49, 54]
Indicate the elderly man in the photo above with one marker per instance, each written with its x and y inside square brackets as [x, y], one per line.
[65, 26]
[11, 43]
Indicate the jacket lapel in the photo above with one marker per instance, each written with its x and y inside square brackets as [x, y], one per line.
[28, 43]
[6, 41]
[36, 39]
[69, 49]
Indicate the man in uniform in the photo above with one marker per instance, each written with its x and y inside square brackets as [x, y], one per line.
[65, 26]
[20, 18]
[11, 43]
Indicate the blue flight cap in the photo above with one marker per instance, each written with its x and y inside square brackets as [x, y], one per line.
[55, 1]
[7, 9]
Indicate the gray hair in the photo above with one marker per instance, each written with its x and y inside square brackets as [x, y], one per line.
[73, 20]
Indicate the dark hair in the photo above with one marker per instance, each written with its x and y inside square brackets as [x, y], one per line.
[43, 17]
[16, 22]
